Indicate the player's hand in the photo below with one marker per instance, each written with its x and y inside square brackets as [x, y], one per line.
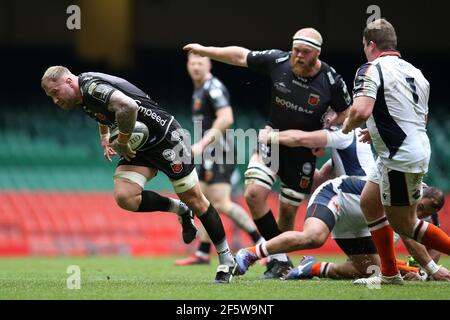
[318, 152]
[364, 136]
[194, 48]
[329, 119]
[123, 149]
[196, 149]
[108, 152]
[412, 276]
[442, 275]
[263, 136]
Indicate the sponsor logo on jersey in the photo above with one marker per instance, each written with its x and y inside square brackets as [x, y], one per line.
[280, 86]
[313, 99]
[304, 182]
[177, 167]
[298, 83]
[169, 155]
[291, 106]
[100, 91]
[307, 168]
[197, 104]
[92, 87]
[151, 114]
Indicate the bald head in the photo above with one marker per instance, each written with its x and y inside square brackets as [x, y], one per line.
[309, 36]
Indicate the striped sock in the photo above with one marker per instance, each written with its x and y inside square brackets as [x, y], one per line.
[431, 236]
[383, 237]
[321, 269]
[259, 250]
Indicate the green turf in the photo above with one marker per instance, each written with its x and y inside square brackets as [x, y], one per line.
[158, 278]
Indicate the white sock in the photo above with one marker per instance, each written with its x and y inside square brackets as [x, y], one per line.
[225, 256]
[279, 257]
[177, 206]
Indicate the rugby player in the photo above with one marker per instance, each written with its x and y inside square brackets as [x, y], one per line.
[116, 103]
[334, 208]
[212, 109]
[391, 97]
[303, 87]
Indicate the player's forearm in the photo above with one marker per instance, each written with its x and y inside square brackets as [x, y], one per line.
[434, 254]
[354, 120]
[418, 251]
[233, 55]
[126, 110]
[298, 138]
[103, 130]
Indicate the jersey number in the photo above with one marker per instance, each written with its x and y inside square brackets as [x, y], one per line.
[412, 84]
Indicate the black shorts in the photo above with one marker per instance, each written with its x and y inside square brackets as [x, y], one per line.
[296, 167]
[163, 157]
[221, 173]
[364, 245]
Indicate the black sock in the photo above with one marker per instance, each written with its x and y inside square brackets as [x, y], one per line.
[151, 201]
[267, 226]
[213, 225]
[204, 247]
[255, 236]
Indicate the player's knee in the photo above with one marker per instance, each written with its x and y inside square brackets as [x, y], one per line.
[126, 201]
[253, 197]
[197, 202]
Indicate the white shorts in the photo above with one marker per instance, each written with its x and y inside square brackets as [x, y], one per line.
[345, 209]
[397, 189]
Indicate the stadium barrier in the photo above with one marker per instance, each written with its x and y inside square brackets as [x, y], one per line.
[90, 223]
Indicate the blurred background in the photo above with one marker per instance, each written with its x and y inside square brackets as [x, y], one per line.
[55, 185]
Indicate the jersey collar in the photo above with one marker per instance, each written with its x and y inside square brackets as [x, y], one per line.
[390, 53]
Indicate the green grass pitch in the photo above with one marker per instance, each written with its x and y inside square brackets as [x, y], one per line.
[157, 278]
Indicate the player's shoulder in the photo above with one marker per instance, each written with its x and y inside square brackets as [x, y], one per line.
[214, 88]
[331, 74]
[365, 68]
[213, 83]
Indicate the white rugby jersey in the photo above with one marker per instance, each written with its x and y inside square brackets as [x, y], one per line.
[397, 125]
[349, 156]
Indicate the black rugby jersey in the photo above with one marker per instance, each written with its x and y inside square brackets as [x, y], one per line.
[299, 103]
[96, 90]
[206, 101]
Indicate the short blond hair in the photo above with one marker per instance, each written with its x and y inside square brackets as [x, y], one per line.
[53, 74]
[382, 33]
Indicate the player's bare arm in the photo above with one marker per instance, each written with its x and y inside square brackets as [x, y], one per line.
[125, 109]
[420, 254]
[223, 121]
[358, 114]
[294, 138]
[108, 152]
[364, 136]
[233, 55]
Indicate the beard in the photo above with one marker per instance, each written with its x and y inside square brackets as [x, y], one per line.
[303, 68]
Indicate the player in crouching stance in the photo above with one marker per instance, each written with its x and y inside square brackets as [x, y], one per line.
[115, 103]
[334, 208]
